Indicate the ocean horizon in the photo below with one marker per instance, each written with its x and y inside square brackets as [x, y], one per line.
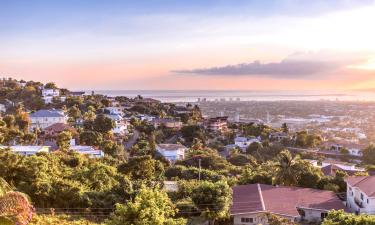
[241, 95]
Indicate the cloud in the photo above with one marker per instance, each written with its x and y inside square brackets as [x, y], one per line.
[298, 65]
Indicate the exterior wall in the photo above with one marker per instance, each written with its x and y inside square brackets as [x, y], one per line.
[258, 218]
[313, 215]
[172, 155]
[342, 166]
[359, 202]
[43, 122]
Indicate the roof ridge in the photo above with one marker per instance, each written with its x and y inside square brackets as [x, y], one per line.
[261, 197]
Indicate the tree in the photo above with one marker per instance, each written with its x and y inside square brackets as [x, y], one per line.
[15, 207]
[143, 168]
[149, 207]
[103, 124]
[63, 140]
[92, 138]
[212, 199]
[50, 85]
[341, 218]
[254, 147]
[369, 154]
[287, 170]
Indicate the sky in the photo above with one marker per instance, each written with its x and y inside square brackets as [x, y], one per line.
[190, 45]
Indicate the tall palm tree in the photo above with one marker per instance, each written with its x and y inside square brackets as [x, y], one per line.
[287, 169]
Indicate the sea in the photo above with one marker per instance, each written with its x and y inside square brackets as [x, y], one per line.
[175, 96]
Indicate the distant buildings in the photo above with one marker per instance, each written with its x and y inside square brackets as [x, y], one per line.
[172, 152]
[217, 124]
[87, 150]
[252, 202]
[121, 126]
[244, 142]
[361, 194]
[57, 128]
[27, 150]
[167, 122]
[44, 118]
[49, 94]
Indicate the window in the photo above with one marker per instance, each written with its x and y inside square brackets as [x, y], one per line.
[247, 220]
[362, 196]
[323, 215]
[368, 201]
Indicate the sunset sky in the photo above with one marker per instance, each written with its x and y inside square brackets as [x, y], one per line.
[195, 44]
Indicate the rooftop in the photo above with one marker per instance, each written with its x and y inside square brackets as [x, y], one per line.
[170, 147]
[364, 183]
[47, 113]
[281, 200]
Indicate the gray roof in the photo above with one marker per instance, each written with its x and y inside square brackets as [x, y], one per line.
[47, 113]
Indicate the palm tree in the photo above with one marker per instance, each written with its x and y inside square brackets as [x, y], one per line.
[287, 169]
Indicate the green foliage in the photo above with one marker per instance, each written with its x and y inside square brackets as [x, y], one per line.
[341, 218]
[212, 199]
[149, 207]
[60, 220]
[189, 133]
[63, 140]
[143, 168]
[305, 140]
[103, 124]
[369, 154]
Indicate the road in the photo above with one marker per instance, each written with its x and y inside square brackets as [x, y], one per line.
[132, 140]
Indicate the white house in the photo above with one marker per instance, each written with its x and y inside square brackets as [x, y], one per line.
[342, 165]
[172, 152]
[87, 150]
[121, 125]
[114, 110]
[252, 202]
[360, 194]
[244, 142]
[27, 150]
[44, 118]
[48, 94]
[2, 108]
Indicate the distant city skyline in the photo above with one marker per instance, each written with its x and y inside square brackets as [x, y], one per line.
[190, 45]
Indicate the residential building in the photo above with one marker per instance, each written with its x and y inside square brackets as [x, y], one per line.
[167, 122]
[49, 94]
[87, 150]
[217, 124]
[361, 194]
[121, 125]
[252, 202]
[27, 150]
[57, 128]
[114, 110]
[172, 152]
[244, 142]
[46, 117]
[342, 165]
[278, 136]
[2, 108]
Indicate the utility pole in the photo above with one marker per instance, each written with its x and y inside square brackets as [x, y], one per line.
[199, 174]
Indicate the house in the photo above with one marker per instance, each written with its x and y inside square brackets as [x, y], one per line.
[182, 110]
[244, 142]
[87, 150]
[217, 124]
[252, 202]
[57, 128]
[278, 136]
[342, 165]
[27, 150]
[46, 117]
[167, 122]
[2, 108]
[360, 194]
[49, 94]
[121, 126]
[114, 110]
[147, 118]
[172, 152]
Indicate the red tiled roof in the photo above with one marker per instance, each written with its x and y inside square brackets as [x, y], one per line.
[331, 169]
[281, 200]
[59, 127]
[364, 183]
